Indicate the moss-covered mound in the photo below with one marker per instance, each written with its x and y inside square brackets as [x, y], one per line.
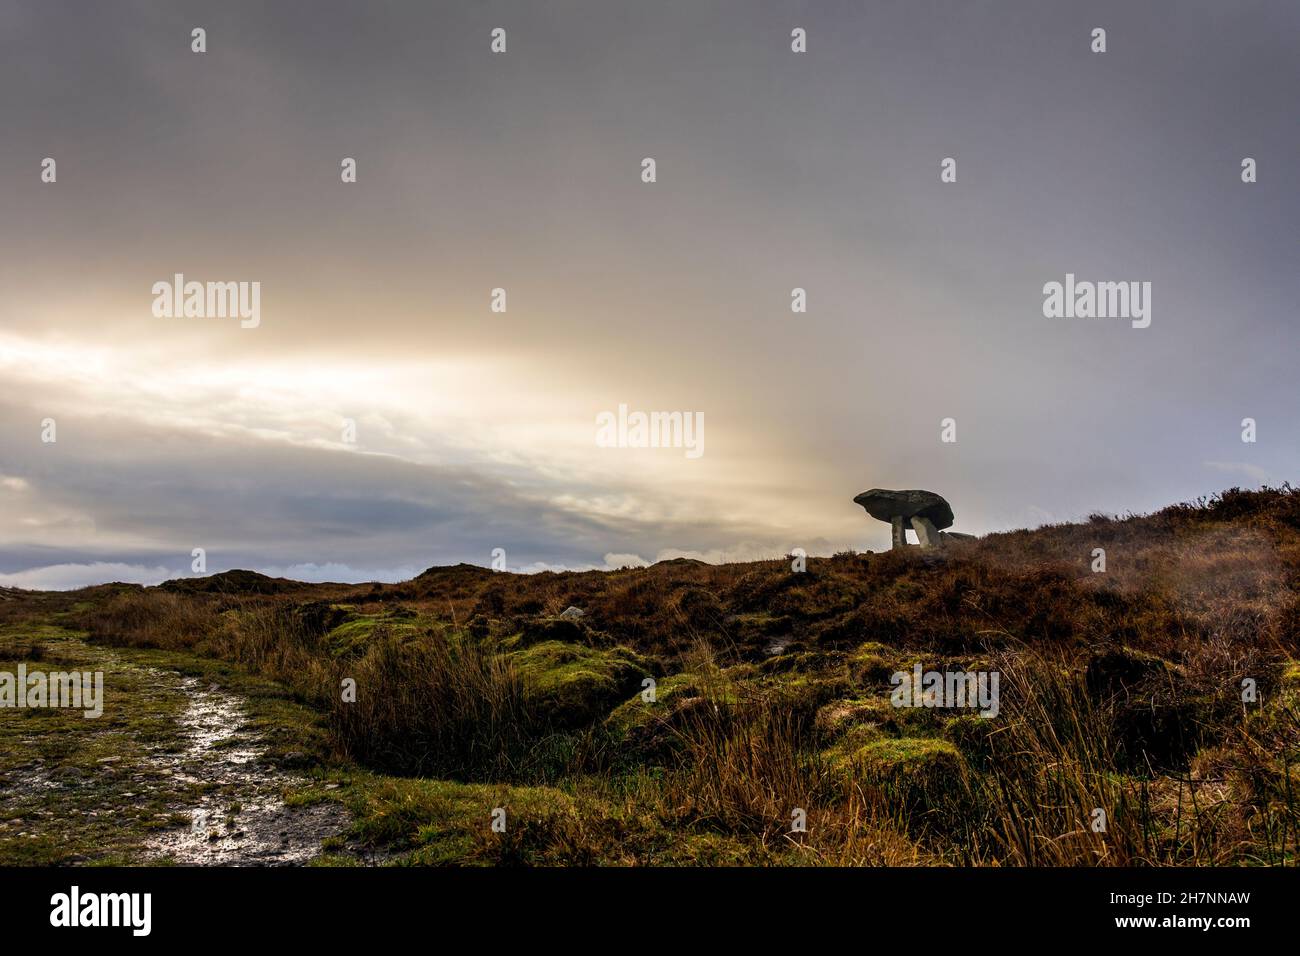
[573, 685]
[919, 775]
[652, 729]
[360, 630]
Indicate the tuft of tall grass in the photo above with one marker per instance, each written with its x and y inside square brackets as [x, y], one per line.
[435, 704]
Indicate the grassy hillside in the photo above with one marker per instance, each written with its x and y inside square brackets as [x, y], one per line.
[1120, 691]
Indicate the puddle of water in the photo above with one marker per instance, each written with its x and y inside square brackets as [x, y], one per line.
[777, 645]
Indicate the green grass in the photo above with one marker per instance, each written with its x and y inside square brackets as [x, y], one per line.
[96, 778]
[91, 791]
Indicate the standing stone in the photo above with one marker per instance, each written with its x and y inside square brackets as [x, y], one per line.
[926, 532]
[900, 531]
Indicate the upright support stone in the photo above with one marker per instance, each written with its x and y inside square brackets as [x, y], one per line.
[900, 531]
[926, 533]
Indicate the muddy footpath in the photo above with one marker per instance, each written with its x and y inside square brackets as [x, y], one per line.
[242, 819]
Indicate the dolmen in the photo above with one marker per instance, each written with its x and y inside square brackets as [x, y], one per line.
[924, 511]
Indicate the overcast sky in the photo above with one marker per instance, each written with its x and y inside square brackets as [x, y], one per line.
[522, 170]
